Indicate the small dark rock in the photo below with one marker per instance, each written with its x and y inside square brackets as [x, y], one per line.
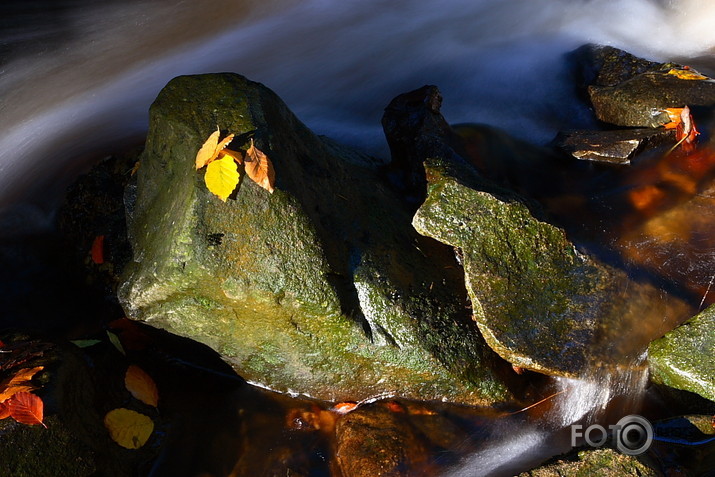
[612, 147]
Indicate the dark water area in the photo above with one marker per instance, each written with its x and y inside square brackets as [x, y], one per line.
[76, 81]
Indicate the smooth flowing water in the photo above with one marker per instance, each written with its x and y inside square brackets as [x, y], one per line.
[77, 79]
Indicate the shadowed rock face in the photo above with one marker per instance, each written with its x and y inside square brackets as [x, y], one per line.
[322, 287]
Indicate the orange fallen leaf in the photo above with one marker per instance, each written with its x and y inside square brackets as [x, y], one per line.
[19, 382]
[4, 410]
[210, 149]
[259, 168]
[26, 408]
[687, 74]
[344, 407]
[141, 385]
[685, 131]
[128, 428]
[98, 250]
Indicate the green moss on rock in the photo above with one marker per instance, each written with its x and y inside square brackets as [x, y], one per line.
[539, 302]
[683, 358]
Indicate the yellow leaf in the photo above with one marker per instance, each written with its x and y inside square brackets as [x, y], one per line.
[222, 177]
[128, 428]
[141, 385]
[259, 168]
[687, 74]
[211, 148]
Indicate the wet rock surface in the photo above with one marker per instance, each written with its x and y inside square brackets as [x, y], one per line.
[612, 147]
[629, 91]
[540, 303]
[600, 463]
[683, 358]
[322, 287]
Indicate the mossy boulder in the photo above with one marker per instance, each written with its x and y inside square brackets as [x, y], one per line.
[629, 91]
[322, 287]
[683, 358]
[594, 463]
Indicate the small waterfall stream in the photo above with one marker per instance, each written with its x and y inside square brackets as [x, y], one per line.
[337, 65]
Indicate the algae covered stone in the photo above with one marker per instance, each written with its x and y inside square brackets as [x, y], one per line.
[539, 302]
[683, 358]
[322, 287]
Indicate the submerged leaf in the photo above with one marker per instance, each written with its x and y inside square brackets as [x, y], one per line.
[259, 168]
[98, 250]
[85, 343]
[114, 339]
[141, 385]
[26, 408]
[128, 428]
[222, 177]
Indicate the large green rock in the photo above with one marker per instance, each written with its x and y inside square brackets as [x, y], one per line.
[539, 302]
[683, 358]
[322, 287]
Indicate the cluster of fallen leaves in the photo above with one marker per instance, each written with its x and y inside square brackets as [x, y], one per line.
[128, 428]
[222, 165]
[16, 398]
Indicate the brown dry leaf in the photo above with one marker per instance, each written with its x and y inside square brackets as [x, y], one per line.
[19, 382]
[141, 385]
[4, 410]
[211, 148]
[259, 168]
[128, 428]
[27, 408]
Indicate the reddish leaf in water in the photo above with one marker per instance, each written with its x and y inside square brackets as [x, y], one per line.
[4, 410]
[132, 336]
[344, 407]
[141, 385]
[26, 408]
[259, 168]
[98, 250]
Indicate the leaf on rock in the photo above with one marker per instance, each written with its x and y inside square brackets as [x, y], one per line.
[141, 385]
[259, 168]
[98, 250]
[687, 74]
[211, 148]
[128, 428]
[19, 382]
[222, 177]
[682, 121]
[4, 410]
[26, 408]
